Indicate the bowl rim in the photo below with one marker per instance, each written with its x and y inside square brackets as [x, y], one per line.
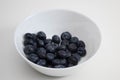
[51, 10]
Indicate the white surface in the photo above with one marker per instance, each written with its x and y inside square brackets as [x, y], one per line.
[55, 22]
[105, 65]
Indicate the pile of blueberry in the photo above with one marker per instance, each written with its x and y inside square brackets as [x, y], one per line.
[58, 52]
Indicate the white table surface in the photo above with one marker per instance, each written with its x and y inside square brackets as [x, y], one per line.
[105, 65]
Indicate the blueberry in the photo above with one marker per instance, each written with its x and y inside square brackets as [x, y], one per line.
[41, 52]
[50, 48]
[70, 65]
[29, 49]
[56, 61]
[82, 53]
[42, 62]
[61, 47]
[41, 35]
[63, 61]
[62, 54]
[34, 37]
[33, 57]
[29, 36]
[73, 60]
[77, 56]
[50, 56]
[40, 43]
[55, 45]
[65, 36]
[81, 44]
[68, 53]
[65, 42]
[80, 48]
[74, 40]
[30, 42]
[47, 41]
[72, 47]
[56, 39]
[59, 66]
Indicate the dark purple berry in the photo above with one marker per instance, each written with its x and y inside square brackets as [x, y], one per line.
[50, 48]
[47, 41]
[55, 45]
[56, 39]
[63, 61]
[30, 42]
[81, 44]
[65, 36]
[81, 48]
[33, 57]
[41, 52]
[82, 53]
[41, 35]
[77, 56]
[56, 61]
[29, 36]
[62, 54]
[74, 40]
[29, 49]
[70, 65]
[65, 42]
[73, 60]
[68, 53]
[42, 62]
[40, 43]
[50, 56]
[61, 47]
[72, 47]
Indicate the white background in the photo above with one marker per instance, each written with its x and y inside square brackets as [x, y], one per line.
[105, 65]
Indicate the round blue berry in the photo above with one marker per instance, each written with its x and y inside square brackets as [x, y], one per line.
[65, 36]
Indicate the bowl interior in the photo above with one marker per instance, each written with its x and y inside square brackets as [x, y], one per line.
[58, 21]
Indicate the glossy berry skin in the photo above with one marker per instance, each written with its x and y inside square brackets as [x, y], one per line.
[77, 56]
[41, 52]
[82, 53]
[68, 53]
[40, 43]
[73, 60]
[74, 40]
[70, 65]
[47, 41]
[33, 57]
[59, 66]
[61, 47]
[81, 44]
[50, 56]
[62, 54]
[50, 48]
[29, 49]
[63, 61]
[29, 36]
[56, 61]
[56, 39]
[72, 47]
[41, 35]
[65, 42]
[55, 45]
[80, 48]
[30, 42]
[42, 62]
[65, 36]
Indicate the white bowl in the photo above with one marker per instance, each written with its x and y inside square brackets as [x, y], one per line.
[55, 22]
